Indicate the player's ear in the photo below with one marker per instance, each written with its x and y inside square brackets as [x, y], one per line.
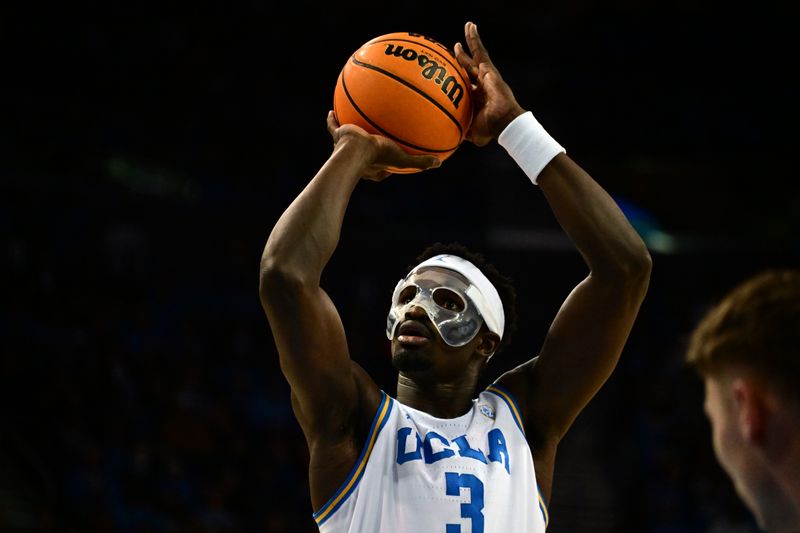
[488, 344]
[751, 409]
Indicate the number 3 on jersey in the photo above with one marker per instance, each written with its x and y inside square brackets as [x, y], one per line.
[471, 509]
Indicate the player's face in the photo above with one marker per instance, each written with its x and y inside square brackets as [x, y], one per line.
[718, 409]
[444, 296]
[735, 454]
[417, 344]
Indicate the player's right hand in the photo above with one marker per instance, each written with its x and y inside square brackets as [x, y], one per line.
[379, 152]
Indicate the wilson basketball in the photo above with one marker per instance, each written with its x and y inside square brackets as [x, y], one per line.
[409, 88]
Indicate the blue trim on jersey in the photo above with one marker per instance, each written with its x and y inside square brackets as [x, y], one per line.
[354, 477]
[543, 506]
[507, 397]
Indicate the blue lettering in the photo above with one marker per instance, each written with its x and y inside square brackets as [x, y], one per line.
[434, 447]
[402, 455]
[430, 456]
[465, 450]
[498, 448]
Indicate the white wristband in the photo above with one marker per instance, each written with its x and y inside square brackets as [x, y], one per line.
[529, 144]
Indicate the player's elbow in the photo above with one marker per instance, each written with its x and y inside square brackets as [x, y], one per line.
[275, 281]
[637, 273]
[639, 265]
[630, 269]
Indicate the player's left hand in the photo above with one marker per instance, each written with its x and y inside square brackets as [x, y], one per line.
[494, 101]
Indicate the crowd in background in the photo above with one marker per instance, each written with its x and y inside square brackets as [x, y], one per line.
[142, 392]
[149, 157]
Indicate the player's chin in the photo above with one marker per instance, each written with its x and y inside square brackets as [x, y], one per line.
[410, 359]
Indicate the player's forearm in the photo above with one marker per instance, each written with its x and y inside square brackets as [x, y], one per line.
[593, 221]
[306, 235]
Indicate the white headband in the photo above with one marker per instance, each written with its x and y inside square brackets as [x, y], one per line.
[481, 291]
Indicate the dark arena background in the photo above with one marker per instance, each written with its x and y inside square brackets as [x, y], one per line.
[147, 150]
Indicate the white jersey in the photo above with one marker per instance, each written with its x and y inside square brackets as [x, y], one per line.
[421, 474]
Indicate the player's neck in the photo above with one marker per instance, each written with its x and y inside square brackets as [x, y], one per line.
[442, 400]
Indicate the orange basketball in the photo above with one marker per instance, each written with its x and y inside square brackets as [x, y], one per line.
[409, 88]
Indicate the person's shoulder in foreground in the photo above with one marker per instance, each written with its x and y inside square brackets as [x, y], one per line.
[442, 455]
[747, 350]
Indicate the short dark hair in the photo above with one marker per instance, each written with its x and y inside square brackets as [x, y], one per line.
[503, 284]
[756, 325]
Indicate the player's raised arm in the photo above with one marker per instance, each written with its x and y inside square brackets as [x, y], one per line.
[587, 336]
[306, 327]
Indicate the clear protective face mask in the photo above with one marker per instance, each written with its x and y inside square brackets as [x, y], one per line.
[447, 303]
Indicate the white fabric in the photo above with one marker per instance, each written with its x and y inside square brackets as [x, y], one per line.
[471, 474]
[529, 144]
[486, 297]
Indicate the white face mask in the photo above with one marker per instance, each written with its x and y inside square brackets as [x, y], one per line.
[478, 294]
[446, 301]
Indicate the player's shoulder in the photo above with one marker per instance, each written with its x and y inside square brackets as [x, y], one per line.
[517, 381]
[498, 402]
[369, 395]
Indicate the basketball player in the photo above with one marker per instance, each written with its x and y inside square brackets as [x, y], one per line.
[443, 456]
[747, 349]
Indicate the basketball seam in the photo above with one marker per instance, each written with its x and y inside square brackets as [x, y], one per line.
[386, 133]
[413, 88]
